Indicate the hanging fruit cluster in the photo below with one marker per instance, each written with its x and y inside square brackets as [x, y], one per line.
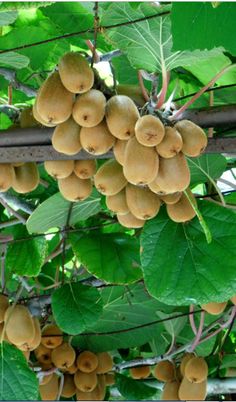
[86, 374]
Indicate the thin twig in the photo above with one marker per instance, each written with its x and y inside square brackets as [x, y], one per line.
[191, 319]
[142, 86]
[96, 28]
[211, 89]
[64, 238]
[12, 211]
[199, 332]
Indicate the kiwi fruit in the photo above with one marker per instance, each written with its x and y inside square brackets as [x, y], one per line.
[194, 138]
[110, 378]
[54, 101]
[74, 189]
[109, 179]
[45, 379]
[164, 371]
[69, 388]
[140, 163]
[52, 336]
[121, 116]
[171, 198]
[72, 369]
[16, 164]
[4, 304]
[7, 176]
[98, 394]
[173, 174]
[149, 130]
[39, 118]
[76, 74]
[171, 144]
[170, 391]
[192, 391]
[140, 372]
[130, 221]
[59, 169]
[85, 169]
[63, 356]
[196, 369]
[43, 354]
[19, 325]
[182, 210]
[132, 91]
[105, 363]
[49, 391]
[87, 361]
[3, 335]
[96, 140]
[89, 108]
[155, 188]
[142, 202]
[27, 119]
[26, 178]
[186, 357]
[233, 300]
[85, 382]
[29, 346]
[26, 353]
[119, 151]
[214, 308]
[66, 137]
[117, 203]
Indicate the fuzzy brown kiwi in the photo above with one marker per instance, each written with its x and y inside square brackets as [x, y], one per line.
[132, 91]
[49, 391]
[117, 203]
[194, 138]
[170, 391]
[182, 210]
[39, 118]
[89, 108]
[66, 137]
[130, 221]
[173, 174]
[59, 169]
[27, 119]
[19, 325]
[214, 308]
[149, 130]
[119, 151]
[63, 356]
[3, 335]
[76, 74]
[140, 163]
[45, 379]
[72, 369]
[85, 169]
[109, 179]
[186, 357]
[26, 178]
[7, 175]
[196, 369]
[43, 355]
[29, 346]
[171, 198]
[54, 101]
[155, 188]
[4, 304]
[85, 382]
[121, 116]
[97, 140]
[171, 144]
[74, 189]
[69, 388]
[105, 363]
[140, 372]
[110, 378]
[87, 361]
[142, 202]
[165, 371]
[192, 391]
[52, 336]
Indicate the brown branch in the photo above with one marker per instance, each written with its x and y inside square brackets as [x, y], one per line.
[10, 75]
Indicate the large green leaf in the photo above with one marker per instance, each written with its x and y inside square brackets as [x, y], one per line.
[53, 212]
[76, 307]
[17, 381]
[112, 257]
[132, 389]
[148, 44]
[125, 309]
[13, 60]
[197, 25]
[206, 165]
[180, 267]
[7, 17]
[26, 257]
[22, 5]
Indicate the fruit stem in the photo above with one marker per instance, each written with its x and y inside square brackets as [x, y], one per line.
[165, 82]
[199, 332]
[61, 385]
[191, 319]
[199, 93]
[202, 222]
[142, 86]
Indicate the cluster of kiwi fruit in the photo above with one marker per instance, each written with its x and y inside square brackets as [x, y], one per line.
[22, 177]
[215, 308]
[86, 374]
[149, 166]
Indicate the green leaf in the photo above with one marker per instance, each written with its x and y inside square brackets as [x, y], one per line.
[17, 380]
[22, 5]
[76, 307]
[7, 18]
[113, 257]
[26, 257]
[133, 389]
[212, 165]
[53, 212]
[13, 60]
[180, 267]
[201, 26]
[148, 44]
